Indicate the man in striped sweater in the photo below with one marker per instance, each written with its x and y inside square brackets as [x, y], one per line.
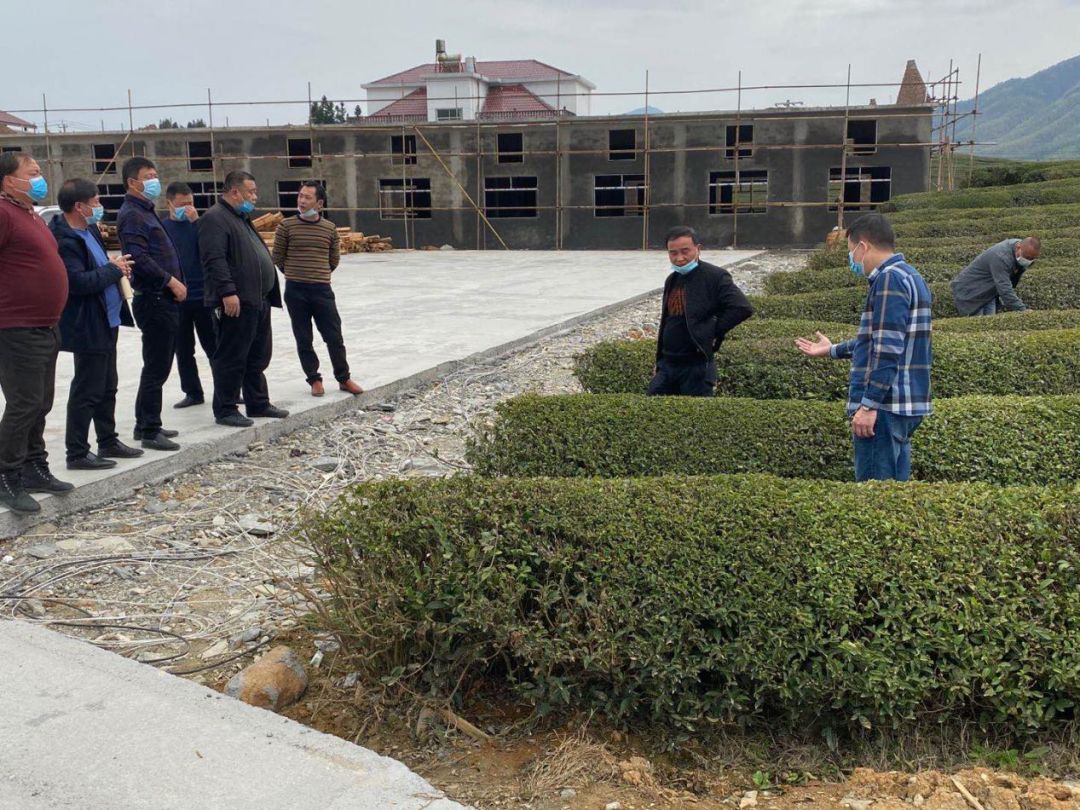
[307, 249]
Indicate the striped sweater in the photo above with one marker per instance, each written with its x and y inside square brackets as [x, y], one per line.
[307, 251]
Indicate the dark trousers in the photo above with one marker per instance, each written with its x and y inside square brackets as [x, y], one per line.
[196, 319]
[158, 318]
[92, 399]
[316, 302]
[27, 379]
[687, 380]
[244, 348]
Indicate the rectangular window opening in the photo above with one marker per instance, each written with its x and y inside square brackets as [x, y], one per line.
[748, 194]
[622, 144]
[510, 146]
[740, 138]
[863, 188]
[408, 198]
[104, 158]
[200, 157]
[403, 150]
[111, 196]
[510, 197]
[205, 194]
[299, 151]
[449, 114]
[862, 135]
[619, 195]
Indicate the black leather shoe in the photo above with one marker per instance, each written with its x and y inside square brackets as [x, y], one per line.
[168, 434]
[118, 449]
[270, 412]
[36, 477]
[90, 462]
[234, 420]
[188, 401]
[160, 442]
[15, 497]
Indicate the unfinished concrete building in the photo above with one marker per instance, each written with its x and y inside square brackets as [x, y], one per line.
[515, 166]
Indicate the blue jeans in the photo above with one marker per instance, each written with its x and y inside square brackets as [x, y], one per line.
[989, 308]
[886, 455]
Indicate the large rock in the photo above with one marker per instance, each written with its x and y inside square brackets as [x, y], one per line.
[275, 681]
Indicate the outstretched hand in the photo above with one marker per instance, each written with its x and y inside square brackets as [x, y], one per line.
[815, 348]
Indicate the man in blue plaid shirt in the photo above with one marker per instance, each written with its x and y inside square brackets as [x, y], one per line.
[889, 391]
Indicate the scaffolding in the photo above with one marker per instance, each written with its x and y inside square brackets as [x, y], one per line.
[942, 97]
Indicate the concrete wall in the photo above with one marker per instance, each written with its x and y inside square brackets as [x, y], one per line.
[796, 148]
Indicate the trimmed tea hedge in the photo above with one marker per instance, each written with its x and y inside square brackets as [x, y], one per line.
[1028, 321]
[985, 223]
[816, 279]
[1000, 440]
[1011, 172]
[1052, 192]
[1034, 363]
[681, 600]
[1043, 287]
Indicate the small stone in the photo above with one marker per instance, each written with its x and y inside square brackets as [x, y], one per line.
[43, 530]
[160, 531]
[613, 806]
[385, 407]
[219, 520]
[217, 648]
[919, 800]
[42, 550]
[326, 463]
[441, 420]
[251, 634]
[350, 680]
[749, 799]
[275, 681]
[327, 645]
[852, 803]
[155, 507]
[7, 559]
[255, 526]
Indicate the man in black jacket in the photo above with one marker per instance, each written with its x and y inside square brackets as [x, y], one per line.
[241, 284]
[94, 312]
[701, 305]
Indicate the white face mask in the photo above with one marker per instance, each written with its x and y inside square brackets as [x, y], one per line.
[1020, 260]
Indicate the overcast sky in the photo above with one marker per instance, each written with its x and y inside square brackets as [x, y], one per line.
[82, 54]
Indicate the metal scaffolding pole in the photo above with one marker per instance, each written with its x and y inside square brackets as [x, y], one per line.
[974, 120]
[648, 179]
[843, 155]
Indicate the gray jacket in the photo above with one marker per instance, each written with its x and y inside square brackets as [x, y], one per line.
[994, 274]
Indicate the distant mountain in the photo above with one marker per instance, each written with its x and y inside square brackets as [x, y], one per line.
[1037, 118]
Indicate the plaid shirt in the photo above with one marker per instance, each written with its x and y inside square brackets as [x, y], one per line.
[891, 354]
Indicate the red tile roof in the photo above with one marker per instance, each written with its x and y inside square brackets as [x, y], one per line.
[513, 98]
[508, 70]
[415, 103]
[14, 121]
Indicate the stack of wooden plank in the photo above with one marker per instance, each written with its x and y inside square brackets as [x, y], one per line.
[351, 242]
[108, 233]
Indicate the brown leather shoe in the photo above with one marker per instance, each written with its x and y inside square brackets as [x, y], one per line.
[317, 389]
[351, 387]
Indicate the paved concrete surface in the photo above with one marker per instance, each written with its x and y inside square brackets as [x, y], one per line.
[87, 729]
[406, 315]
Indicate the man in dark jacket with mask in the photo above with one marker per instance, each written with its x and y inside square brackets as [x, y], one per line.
[988, 284]
[241, 284]
[701, 305]
[89, 326]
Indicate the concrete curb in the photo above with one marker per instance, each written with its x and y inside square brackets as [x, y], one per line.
[85, 728]
[120, 485]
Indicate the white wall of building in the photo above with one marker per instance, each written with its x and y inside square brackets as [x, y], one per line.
[450, 90]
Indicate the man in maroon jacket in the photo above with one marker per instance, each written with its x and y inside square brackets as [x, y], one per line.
[33, 291]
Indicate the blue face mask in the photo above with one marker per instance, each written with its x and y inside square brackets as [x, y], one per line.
[180, 214]
[310, 215]
[39, 188]
[246, 207]
[856, 267]
[686, 268]
[97, 215]
[151, 188]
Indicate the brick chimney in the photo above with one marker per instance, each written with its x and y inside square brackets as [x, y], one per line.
[912, 87]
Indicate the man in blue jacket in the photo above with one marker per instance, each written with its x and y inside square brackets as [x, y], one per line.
[889, 388]
[196, 319]
[89, 325]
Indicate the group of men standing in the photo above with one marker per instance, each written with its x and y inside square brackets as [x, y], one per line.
[209, 278]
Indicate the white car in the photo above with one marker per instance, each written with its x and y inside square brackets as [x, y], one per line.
[47, 212]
